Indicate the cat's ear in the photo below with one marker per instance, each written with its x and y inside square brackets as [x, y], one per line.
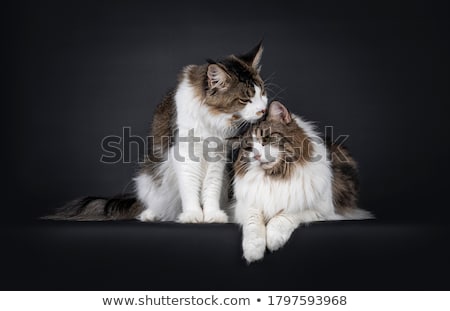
[217, 77]
[278, 112]
[253, 58]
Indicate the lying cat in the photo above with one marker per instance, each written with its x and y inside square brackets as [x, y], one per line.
[212, 102]
[285, 176]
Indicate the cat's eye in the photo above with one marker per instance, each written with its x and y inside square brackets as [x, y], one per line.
[243, 101]
[266, 140]
[269, 140]
[273, 138]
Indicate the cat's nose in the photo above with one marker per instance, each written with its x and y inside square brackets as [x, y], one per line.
[261, 112]
[257, 157]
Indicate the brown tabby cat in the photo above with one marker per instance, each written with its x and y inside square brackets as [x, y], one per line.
[284, 176]
[183, 179]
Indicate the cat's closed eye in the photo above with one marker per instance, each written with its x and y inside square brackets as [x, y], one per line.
[247, 145]
[244, 101]
[272, 139]
[266, 140]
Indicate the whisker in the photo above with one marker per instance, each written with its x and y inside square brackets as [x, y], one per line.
[271, 76]
[278, 93]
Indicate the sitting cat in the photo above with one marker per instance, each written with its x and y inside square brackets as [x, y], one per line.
[285, 176]
[183, 178]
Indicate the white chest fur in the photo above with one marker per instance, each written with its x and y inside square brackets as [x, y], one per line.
[193, 115]
[305, 189]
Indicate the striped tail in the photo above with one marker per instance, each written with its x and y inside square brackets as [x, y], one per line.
[121, 207]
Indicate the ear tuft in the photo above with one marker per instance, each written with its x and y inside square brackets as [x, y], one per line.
[278, 112]
[217, 77]
[253, 58]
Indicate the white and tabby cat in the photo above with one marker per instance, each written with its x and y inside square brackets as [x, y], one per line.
[284, 177]
[183, 178]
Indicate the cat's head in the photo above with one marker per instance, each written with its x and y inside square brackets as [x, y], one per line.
[274, 145]
[233, 86]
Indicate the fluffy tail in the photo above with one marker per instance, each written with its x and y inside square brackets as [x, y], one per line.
[356, 214]
[120, 207]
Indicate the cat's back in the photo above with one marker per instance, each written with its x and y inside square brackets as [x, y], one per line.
[345, 178]
[164, 118]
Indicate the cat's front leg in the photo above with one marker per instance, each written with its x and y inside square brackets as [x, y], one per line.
[254, 237]
[187, 164]
[280, 228]
[212, 188]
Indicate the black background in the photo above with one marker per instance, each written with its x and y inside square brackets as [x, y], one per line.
[76, 72]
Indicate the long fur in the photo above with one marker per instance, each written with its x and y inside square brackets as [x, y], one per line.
[176, 182]
[99, 209]
[273, 197]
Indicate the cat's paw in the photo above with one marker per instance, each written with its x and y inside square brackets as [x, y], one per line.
[147, 216]
[276, 235]
[217, 216]
[254, 249]
[194, 216]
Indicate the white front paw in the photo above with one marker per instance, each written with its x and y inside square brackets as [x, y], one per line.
[147, 215]
[276, 236]
[194, 216]
[216, 215]
[254, 249]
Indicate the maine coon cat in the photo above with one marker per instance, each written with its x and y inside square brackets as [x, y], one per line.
[285, 176]
[183, 177]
